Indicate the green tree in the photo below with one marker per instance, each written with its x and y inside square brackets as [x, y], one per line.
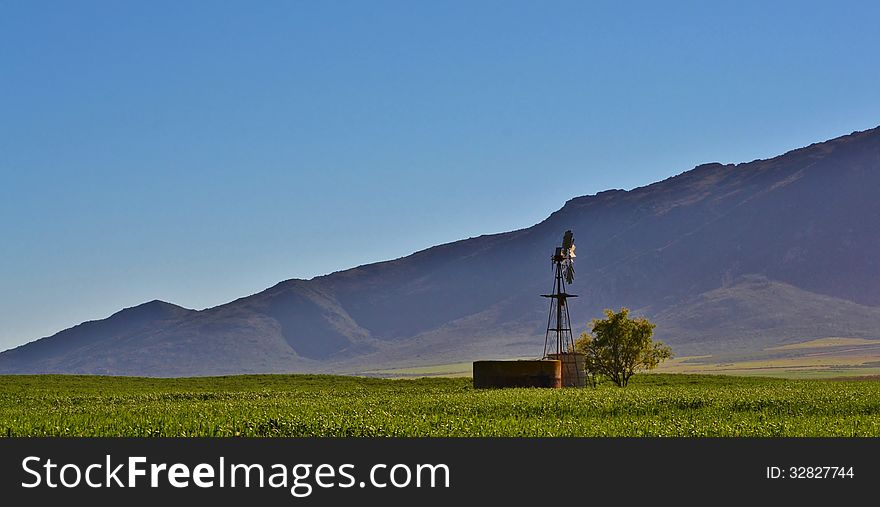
[619, 346]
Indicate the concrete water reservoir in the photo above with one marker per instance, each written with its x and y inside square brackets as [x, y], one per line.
[536, 373]
[573, 368]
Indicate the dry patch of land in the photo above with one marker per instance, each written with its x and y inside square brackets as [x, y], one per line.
[829, 357]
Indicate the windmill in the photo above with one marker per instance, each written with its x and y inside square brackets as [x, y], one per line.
[558, 342]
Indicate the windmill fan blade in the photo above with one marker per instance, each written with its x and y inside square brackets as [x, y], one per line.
[571, 254]
[567, 240]
[569, 272]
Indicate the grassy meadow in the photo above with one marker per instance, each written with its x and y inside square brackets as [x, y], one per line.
[333, 406]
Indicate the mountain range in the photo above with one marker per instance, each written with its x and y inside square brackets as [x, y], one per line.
[725, 259]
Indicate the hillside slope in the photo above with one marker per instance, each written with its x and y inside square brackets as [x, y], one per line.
[725, 257]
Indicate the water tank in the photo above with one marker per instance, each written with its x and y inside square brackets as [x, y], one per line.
[536, 373]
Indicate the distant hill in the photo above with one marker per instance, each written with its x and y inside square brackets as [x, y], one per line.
[726, 258]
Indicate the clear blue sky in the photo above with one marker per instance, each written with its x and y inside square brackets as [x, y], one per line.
[197, 152]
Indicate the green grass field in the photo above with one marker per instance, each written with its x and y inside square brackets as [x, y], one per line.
[310, 405]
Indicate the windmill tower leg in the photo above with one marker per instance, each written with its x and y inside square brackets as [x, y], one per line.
[559, 330]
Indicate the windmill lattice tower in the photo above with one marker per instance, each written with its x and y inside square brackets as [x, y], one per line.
[558, 341]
